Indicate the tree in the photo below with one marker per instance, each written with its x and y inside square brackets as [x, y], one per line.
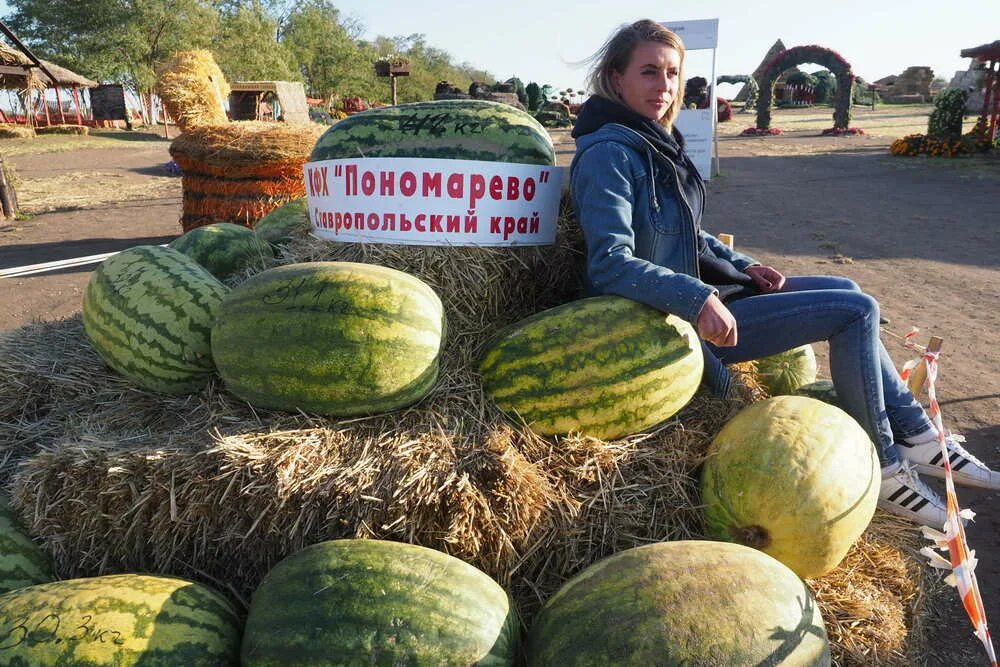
[247, 47]
[114, 40]
[324, 52]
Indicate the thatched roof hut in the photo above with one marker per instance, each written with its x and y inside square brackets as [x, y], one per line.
[19, 72]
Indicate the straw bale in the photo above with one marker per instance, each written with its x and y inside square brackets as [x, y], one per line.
[193, 89]
[64, 129]
[113, 479]
[16, 132]
[250, 143]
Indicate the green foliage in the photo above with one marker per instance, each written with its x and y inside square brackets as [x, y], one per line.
[522, 93]
[801, 79]
[534, 93]
[826, 86]
[946, 119]
[246, 47]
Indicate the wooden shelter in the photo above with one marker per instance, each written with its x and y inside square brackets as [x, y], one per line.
[20, 70]
[989, 54]
[268, 101]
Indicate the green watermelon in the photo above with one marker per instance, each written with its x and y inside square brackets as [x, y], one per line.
[225, 249]
[783, 373]
[675, 604]
[22, 562]
[337, 338]
[794, 477]
[822, 390]
[604, 366]
[370, 602]
[285, 223]
[451, 129]
[148, 313]
[121, 620]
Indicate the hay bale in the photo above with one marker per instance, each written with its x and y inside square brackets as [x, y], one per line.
[114, 479]
[240, 172]
[193, 89]
[16, 132]
[82, 130]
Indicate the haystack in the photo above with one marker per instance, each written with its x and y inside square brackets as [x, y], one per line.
[16, 132]
[240, 172]
[82, 130]
[115, 479]
[193, 89]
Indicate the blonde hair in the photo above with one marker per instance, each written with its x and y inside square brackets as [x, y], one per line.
[616, 53]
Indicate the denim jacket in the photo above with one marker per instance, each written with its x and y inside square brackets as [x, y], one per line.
[640, 230]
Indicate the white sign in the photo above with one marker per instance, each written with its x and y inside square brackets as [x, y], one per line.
[698, 125]
[700, 34]
[433, 201]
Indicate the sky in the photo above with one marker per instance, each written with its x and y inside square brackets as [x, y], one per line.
[539, 40]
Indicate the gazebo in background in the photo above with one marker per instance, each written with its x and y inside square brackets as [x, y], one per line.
[31, 77]
[989, 54]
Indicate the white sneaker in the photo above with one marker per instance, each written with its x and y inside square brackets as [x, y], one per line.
[904, 494]
[966, 469]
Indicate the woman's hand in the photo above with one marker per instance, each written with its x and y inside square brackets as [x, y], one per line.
[716, 324]
[766, 279]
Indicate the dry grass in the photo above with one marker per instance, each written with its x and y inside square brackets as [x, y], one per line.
[889, 121]
[58, 143]
[248, 143]
[90, 189]
[193, 89]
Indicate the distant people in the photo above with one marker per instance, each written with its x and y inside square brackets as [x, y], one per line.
[640, 199]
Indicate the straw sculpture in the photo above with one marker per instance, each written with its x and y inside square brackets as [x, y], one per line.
[64, 129]
[16, 132]
[193, 89]
[114, 479]
[240, 172]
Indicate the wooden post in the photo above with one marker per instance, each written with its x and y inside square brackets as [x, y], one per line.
[919, 374]
[392, 85]
[62, 118]
[76, 103]
[45, 106]
[727, 239]
[8, 198]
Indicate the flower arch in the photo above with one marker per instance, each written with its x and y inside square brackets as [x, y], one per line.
[751, 83]
[799, 55]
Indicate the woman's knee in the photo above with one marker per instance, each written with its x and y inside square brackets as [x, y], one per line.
[865, 304]
[839, 282]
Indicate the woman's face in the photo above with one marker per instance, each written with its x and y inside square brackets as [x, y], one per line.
[650, 80]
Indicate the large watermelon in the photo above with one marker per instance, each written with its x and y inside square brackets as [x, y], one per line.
[604, 366]
[337, 338]
[120, 620]
[783, 373]
[369, 602]
[675, 604]
[148, 313]
[285, 223]
[225, 249]
[794, 477]
[22, 562]
[451, 129]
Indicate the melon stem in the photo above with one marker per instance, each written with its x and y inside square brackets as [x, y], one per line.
[753, 536]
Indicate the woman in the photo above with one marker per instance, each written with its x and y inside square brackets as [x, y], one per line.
[640, 199]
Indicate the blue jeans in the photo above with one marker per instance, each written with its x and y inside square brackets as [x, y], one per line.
[810, 309]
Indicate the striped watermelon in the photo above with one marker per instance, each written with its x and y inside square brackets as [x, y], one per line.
[225, 249]
[148, 313]
[822, 390]
[604, 366]
[22, 562]
[337, 338]
[793, 477]
[681, 603]
[783, 373]
[287, 222]
[370, 602]
[452, 129]
[120, 620]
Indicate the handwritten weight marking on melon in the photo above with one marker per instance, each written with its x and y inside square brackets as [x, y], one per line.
[46, 630]
[438, 124]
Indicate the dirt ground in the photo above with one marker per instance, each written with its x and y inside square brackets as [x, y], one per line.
[918, 234]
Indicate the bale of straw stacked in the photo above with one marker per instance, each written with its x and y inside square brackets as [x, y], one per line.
[193, 89]
[82, 130]
[112, 478]
[16, 132]
[239, 172]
